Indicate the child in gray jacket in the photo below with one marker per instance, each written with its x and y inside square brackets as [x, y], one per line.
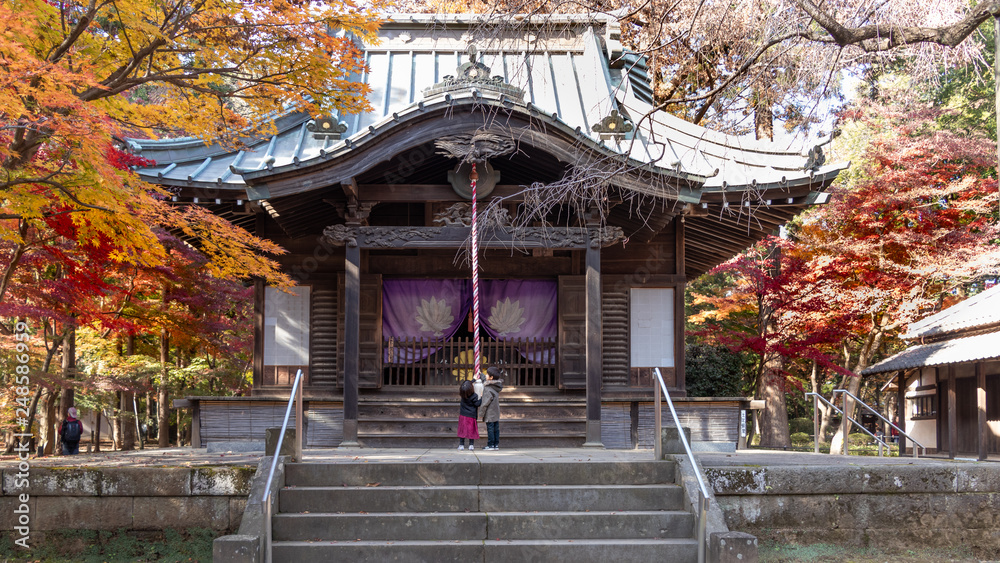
[490, 408]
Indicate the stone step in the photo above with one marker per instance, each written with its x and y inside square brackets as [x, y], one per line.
[449, 427]
[474, 473]
[450, 410]
[505, 498]
[411, 526]
[450, 440]
[490, 551]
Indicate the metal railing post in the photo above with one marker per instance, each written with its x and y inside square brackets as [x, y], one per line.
[815, 424]
[299, 427]
[296, 387]
[861, 403]
[700, 530]
[658, 418]
[845, 425]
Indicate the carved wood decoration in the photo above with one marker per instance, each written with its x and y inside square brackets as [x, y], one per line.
[476, 147]
[456, 237]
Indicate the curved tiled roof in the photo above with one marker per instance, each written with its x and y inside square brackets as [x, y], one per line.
[568, 85]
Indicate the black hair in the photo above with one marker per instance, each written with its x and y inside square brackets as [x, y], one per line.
[494, 372]
[466, 390]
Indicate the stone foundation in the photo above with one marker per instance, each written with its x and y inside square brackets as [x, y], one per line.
[889, 506]
[129, 498]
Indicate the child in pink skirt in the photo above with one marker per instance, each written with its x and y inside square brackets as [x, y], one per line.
[467, 414]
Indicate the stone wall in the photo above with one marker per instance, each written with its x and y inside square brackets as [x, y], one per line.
[890, 506]
[130, 498]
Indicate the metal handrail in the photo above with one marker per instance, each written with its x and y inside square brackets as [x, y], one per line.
[886, 420]
[296, 387]
[703, 489]
[881, 443]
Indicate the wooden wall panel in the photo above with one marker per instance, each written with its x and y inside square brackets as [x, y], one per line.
[323, 335]
[616, 426]
[642, 260]
[324, 425]
[615, 331]
[573, 332]
[229, 421]
[370, 367]
[709, 422]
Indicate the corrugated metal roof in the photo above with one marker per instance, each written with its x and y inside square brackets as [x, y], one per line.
[980, 310]
[958, 350]
[562, 68]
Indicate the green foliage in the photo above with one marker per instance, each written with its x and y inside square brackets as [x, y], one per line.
[714, 371]
[801, 424]
[968, 91]
[800, 438]
[92, 546]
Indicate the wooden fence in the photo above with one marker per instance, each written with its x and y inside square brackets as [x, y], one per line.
[529, 362]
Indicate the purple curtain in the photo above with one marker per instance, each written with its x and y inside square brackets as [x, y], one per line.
[521, 309]
[427, 309]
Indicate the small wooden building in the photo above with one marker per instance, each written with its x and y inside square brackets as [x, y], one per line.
[949, 379]
[578, 306]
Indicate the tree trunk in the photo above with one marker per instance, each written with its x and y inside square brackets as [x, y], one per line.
[824, 410]
[872, 343]
[66, 397]
[57, 341]
[774, 432]
[97, 431]
[164, 413]
[125, 405]
[116, 423]
[46, 426]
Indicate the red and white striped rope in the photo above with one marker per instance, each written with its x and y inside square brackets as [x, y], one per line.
[473, 176]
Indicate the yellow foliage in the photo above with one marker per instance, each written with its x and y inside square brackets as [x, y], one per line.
[77, 75]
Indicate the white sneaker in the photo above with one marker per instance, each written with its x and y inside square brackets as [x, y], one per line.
[471, 447]
[463, 447]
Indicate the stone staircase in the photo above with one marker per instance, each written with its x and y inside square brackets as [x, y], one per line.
[529, 420]
[494, 512]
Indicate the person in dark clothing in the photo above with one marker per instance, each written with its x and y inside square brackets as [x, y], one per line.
[70, 433]
[468, 426]
[491, 407]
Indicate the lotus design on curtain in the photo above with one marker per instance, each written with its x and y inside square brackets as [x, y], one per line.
[434, 315]
[506, 317]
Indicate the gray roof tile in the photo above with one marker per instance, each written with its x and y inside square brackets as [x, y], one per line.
[959, 350]
[565, 75]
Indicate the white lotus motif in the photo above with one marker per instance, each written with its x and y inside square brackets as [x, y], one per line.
[434, 316]
[507, 317]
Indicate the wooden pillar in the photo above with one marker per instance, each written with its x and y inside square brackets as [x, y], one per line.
[901, 409]
[983, 443]
[593, 343]
[952, 413]
[679, 314]
[352, 348]
[258, 333]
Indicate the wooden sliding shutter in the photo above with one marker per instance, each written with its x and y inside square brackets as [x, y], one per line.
[324, 334]
[615, 350]
[573, 332]
[370, 364]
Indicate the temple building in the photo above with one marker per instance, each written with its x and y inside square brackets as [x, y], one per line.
[594, 210]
